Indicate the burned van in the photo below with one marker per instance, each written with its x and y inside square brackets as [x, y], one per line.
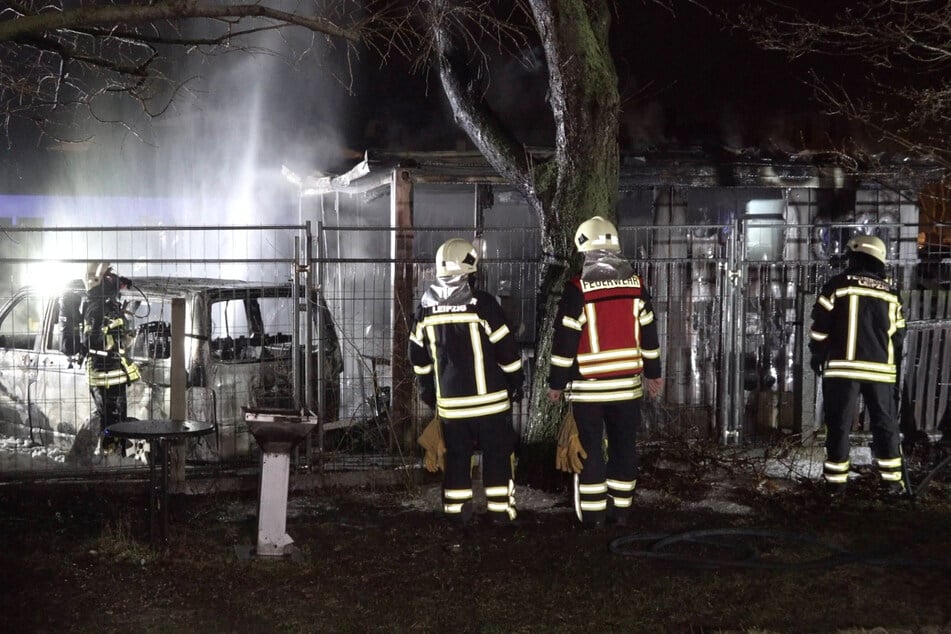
[238, 347]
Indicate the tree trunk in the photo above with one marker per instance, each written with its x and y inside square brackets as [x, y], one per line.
[580, 180]
[584, 170]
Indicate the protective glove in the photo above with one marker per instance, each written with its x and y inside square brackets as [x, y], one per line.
[816, 363]
[434, 446]
[569, 453]
[516, 394]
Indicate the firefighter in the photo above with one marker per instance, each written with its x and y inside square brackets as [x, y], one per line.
[855, 342]
[469, 370]
[108, 369]
[605, 343]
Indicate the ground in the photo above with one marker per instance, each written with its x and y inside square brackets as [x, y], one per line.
[76, 558]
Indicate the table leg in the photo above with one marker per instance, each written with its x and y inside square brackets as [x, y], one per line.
[158, 494]
[154, 477]
[163, 449]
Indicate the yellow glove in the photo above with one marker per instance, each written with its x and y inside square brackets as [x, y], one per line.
[432, 443]
[570, 453]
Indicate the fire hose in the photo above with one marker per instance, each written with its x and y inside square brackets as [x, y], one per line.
[744, 555]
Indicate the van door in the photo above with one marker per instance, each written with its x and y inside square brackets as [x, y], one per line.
[62, 390]
[250, 364]
[21, 320]
[150, 349]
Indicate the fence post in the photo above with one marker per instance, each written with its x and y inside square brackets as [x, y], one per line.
[401, 216]
[731, 367]
[177, 391]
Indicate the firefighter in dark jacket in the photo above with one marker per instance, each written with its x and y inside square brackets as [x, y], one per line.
[855, 342]
[605, 343]
[469, 370]
[108, 369]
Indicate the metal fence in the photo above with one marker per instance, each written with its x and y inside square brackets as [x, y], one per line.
[732, 303]
[241, 326]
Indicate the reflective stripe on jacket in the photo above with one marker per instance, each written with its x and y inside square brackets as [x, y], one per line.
[103, 331]
[467, 356]
[858, 328]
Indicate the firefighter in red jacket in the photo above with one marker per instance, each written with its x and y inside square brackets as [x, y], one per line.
[469, 370]
[856, 343]
[605, 343]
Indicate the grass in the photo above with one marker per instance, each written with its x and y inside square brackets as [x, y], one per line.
[370, 562]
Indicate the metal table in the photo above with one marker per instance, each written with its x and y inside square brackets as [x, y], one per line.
[158, 432]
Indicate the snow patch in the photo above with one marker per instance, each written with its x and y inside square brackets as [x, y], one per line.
[25, 446]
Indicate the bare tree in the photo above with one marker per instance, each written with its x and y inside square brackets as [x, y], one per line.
[60, 60]
[884, 63]
[61, 56]
[580, 179]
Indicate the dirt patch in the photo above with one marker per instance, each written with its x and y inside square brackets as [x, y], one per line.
[76, 558]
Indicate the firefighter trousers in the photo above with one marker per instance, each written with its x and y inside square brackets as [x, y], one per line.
[840, 397]
[605, 486]
[108, 404]
[495, 436]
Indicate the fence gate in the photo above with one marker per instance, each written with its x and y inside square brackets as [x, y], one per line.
[772, 274]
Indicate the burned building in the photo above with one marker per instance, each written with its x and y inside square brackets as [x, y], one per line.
[733, 246]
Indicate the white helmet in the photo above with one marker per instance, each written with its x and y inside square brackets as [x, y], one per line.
[456, 257]
[597, 233]
[94, 273]
[870, 245]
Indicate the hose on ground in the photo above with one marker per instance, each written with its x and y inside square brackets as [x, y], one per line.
[930, 476]
[743, 554]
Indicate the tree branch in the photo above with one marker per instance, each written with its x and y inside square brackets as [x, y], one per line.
[900, 51]
[105, 15]
[471, 112]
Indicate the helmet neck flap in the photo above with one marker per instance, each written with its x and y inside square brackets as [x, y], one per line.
[602, 265]
[448, 291]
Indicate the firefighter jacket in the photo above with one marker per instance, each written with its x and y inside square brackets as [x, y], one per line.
[465, 357]
[605, 339]
[858, 328]
[103, 332]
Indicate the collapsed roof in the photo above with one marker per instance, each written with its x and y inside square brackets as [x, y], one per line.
[687, 168]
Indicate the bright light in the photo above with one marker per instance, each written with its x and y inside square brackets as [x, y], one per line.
[50, 276]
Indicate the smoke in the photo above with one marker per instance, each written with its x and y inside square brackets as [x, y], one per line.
[215, 155]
